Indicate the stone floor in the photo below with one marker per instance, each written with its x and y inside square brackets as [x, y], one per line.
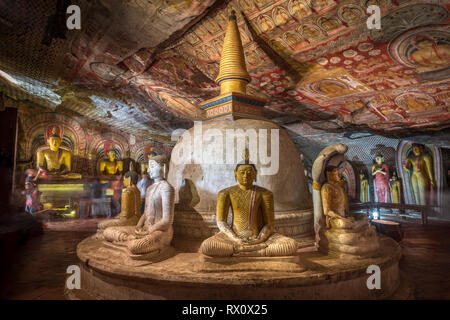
[38, 270]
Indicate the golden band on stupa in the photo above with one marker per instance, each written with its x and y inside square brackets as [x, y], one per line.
[233, 75]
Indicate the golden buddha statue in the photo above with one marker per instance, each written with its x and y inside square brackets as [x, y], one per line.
[130, 204]
[55, 160]
[420, 165]
[396, 188]
[364, 188]
[252, 231]
[338, 231]
[111, 166]
[346, 234]
[154, 231]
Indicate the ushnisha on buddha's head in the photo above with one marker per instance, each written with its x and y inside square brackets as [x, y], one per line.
[54, 141]
[157, 167]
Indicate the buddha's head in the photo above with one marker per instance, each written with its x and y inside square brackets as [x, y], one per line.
[54, 142]
[111, 156]
[362, 176]
[245, 174]
[394, 176]
[130, 179]
[157, 167]
[417, 149]
[379, 158]
[333, 174]
[245, 171]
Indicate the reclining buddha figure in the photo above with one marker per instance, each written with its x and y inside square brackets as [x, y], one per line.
[252, 231]
[154, 231]
[342, 233]
[131, 204]
[55, 160]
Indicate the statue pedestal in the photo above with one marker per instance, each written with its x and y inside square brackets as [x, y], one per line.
[246, 264]
[124, 256]
[318, 276]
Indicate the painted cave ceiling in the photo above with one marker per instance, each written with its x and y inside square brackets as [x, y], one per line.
[144, 66]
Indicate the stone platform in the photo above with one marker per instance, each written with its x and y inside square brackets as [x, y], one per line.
[184, 276]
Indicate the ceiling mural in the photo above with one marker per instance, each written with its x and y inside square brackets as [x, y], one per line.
[145, 66]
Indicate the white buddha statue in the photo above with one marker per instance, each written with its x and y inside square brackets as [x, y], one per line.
[154, 231]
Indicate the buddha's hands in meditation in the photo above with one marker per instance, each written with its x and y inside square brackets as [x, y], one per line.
[254, 240]
[332, 214]
[140, 232]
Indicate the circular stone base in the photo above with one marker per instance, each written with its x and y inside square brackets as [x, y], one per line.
[103, 276]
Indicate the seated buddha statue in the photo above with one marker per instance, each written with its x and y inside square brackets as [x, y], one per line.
[111, 166]
[154, 231]
[345, 234]
[54, 160]
[130, 208]
[252, 231]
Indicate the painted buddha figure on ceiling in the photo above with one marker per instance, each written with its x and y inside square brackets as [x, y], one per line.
[252, 230]
[54, 160]
[428, 53]
[111, 166]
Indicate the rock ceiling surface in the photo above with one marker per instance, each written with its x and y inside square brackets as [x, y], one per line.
[144, 66]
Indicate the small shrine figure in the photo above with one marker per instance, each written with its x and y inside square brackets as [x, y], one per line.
[381, 172]
[396, 188]
[364, 187]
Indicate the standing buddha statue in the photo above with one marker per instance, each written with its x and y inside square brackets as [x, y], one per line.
[364, 187]
[381, 172]
[396, 188]
[420, 165]
[252, 231]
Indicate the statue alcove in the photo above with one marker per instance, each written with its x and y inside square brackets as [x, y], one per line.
[403, 151]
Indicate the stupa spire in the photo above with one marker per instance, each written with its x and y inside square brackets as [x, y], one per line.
[233, 75]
